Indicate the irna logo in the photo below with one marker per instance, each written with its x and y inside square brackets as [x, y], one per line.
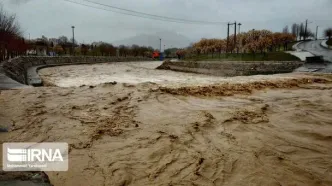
[31, 155]
[35, 156]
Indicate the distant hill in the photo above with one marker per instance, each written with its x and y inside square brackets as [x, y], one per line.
[170, 39]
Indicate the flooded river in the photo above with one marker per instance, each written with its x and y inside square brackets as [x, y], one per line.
[156, 127]
[134, 73]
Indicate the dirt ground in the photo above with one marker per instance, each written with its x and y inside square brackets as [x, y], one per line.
[258, 130]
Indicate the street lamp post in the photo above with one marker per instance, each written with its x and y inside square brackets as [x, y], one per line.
[317, 32]
[240, 37]
[239, 28]
[73, 28]
[160, 54]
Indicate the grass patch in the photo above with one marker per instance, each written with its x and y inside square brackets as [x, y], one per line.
[271, 56]
[290, 45]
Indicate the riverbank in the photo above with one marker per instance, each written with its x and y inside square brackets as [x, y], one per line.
[232, 68]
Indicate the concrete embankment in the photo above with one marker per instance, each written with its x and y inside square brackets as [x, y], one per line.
[24, 69]
[233, 68]
[8, 83]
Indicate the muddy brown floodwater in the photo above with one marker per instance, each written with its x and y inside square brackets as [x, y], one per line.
[158, 127]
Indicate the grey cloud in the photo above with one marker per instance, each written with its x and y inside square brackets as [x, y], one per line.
[18, 2]
[55, 17]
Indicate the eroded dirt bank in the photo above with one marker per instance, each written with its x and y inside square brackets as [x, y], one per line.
[121, 134]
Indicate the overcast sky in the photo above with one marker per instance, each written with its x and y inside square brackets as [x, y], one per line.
[53, 18]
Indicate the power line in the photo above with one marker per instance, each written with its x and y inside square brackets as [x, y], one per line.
[146, 16]
[117, 11]
[163, 17]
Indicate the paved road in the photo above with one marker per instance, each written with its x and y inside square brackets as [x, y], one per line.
[315, 48]
[300, 54]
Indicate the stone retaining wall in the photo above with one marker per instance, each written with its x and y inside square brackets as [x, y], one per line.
[233, 68]
[17, 68]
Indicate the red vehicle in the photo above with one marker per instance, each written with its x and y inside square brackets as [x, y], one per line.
[155, 55]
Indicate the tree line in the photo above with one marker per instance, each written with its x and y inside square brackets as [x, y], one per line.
[65, 46]
[302, 33]
[299, 31]
[12, 43]
[253, 41]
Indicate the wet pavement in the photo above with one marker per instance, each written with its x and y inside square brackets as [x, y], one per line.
[300, 54]
[315, 48]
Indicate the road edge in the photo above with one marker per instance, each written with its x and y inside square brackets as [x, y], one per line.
[295, 46]
[323, 44]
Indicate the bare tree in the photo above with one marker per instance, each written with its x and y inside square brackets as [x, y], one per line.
[295, 30]
[10, 33]
[328, 33]
[301, 31]
[63, 39]
[135, 50]
[310, 33]
[285, 30]
[64, 43]
[123, 50]
[8, 23]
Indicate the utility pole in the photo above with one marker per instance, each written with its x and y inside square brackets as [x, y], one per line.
[227, 38]
[227, 47]
[305, 30]
[235, 25]
[317, 32]
[160, 54]
[73, 28]
[240, 37]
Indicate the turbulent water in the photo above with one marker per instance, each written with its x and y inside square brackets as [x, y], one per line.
[156, 127]
[134, 72]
